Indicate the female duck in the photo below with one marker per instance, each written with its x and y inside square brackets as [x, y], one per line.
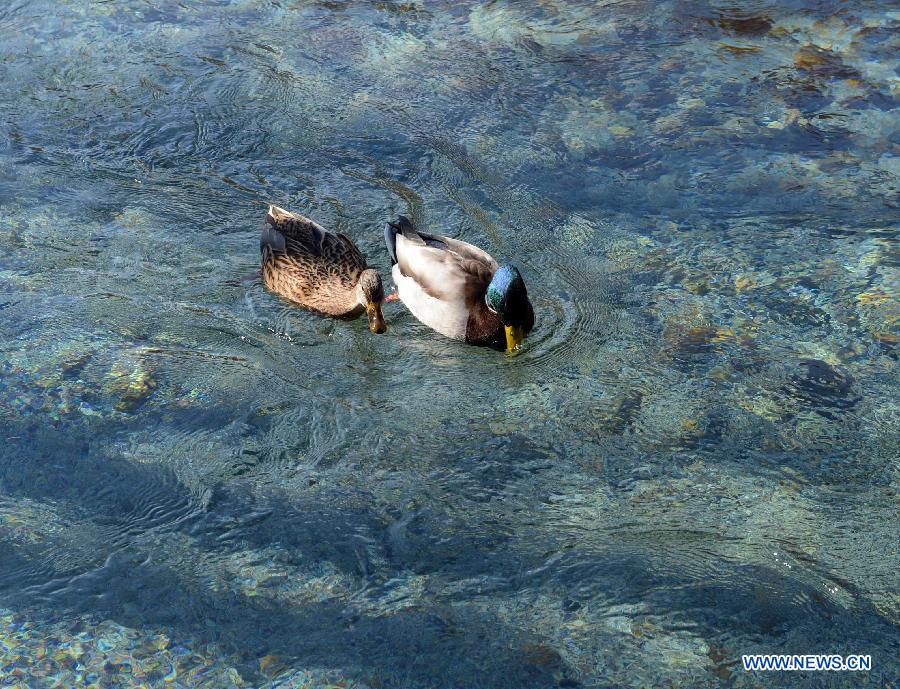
[320, 270]
[458, 289]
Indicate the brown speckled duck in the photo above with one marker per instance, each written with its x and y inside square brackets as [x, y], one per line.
[320, 270]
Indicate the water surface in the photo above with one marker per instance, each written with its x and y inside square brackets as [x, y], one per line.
[694, 457]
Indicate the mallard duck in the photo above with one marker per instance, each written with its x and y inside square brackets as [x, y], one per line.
[458, 289]
[320, 270]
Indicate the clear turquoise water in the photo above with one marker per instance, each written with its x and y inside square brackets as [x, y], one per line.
[695, 456]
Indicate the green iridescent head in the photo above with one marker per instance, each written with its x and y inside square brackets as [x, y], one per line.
[507, 297]
[505, 286]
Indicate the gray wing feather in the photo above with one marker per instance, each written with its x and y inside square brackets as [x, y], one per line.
[443, 273]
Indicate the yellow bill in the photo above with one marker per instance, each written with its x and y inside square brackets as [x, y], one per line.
[514, 337]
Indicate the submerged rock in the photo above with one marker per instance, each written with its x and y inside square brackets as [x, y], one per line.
[823, 63]
[131, 387]
[746, 25]
[824, 388]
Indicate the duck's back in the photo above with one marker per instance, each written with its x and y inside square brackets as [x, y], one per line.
[304, 262]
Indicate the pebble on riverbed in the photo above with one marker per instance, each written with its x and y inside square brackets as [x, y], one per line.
[106, 654]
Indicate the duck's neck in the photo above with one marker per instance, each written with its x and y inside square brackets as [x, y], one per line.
[484, 327]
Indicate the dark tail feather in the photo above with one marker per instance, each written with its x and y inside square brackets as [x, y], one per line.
[271, 239]
[390, 238]
[405, 227]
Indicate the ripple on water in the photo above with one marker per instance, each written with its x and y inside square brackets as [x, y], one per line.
[570, 292]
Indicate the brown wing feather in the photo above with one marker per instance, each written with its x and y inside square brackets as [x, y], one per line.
[305, 237]
[306, 263]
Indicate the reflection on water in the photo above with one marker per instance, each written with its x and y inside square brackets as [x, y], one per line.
[694, 457]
